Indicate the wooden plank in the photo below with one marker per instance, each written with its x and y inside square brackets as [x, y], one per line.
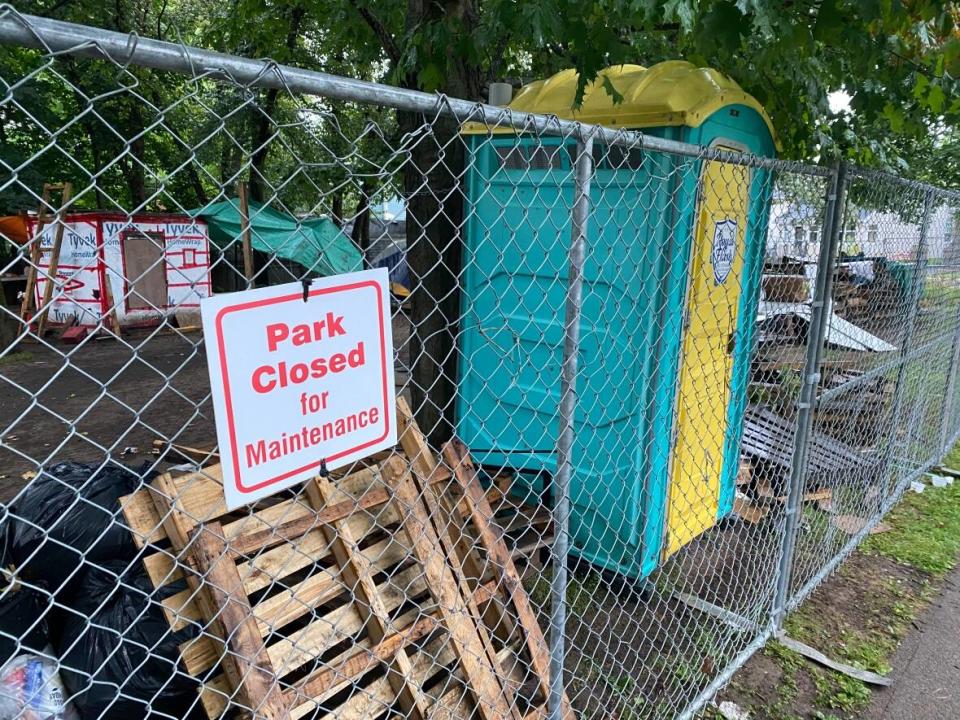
[112, 317]
[246, 654]
[161, 567]
[176, 525]
[141, 517]
[448, 522]
[245, 233]
[337, 675]
[189, 453]
[65, 194]
[493, 699]
[36, 252]
[445, 519]
[435, 655]
[289, 525]
[374, 699]
[342, 623]
[198, 495]
[748, 512]
[306, 644]
[360, 508]
[356, 574]
[270, 613]
[508, 578]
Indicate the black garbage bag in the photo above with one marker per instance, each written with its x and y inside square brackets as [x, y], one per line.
[69, 513]
[23, 622]
[119, 657]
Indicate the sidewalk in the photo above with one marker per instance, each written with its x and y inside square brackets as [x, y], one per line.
[926, 667]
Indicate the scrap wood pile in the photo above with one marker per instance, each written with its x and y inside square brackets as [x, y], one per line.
[387, 590]
[767, 460]
[855, 417]
[870, 292]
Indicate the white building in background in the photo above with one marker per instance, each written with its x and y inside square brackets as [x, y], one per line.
[795, 232]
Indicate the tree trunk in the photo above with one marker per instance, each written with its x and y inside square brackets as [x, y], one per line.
[435, 215]
[197, 184]
[336, 209]
[135, 173]
[434, 218]
[361, 223]
[263, 121]
[96, 143]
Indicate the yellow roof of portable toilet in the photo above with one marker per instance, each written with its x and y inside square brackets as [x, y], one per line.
[673, 92]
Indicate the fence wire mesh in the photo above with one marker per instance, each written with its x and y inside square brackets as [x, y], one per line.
[649, 394]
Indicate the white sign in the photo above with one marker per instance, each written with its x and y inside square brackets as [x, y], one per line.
[296, 383]
[724, 249]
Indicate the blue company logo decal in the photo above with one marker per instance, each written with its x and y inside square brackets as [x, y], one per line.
[724, 249]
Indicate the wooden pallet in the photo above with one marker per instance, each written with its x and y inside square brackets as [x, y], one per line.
[384, 591]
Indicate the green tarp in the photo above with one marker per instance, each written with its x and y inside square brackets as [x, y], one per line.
[315, 243]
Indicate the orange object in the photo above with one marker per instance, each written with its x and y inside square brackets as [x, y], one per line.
[14, 228]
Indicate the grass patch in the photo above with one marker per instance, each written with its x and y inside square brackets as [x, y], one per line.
[839, 692]
[16, 357]
[582, 588]
[859, 615]
[925, 528]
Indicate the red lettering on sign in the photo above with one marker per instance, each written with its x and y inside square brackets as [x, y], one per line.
[270, 377]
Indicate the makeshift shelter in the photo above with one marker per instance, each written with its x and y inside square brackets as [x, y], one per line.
[147, 266]
[317, 244]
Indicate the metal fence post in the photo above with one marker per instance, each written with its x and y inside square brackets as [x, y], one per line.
[568, 401]
[948, 409]
[914, 303]
[819, 317]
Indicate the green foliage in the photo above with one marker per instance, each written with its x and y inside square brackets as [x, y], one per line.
[162, 142]
[149, 148]
[15, 358]
[840, 692]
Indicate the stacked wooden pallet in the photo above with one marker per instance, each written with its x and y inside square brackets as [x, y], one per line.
[384, 591]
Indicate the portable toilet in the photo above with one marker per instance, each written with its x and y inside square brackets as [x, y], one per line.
[671, 285]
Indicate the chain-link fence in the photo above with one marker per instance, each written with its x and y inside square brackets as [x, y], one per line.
[650, 393]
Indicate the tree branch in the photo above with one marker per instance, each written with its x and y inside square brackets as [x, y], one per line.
[497, 58]
[385, 37]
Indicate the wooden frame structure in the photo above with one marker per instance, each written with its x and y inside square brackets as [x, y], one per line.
[36, 252]
[385, 590]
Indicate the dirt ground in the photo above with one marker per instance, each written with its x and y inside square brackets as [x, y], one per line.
[637, 650]
[854, 611]
[107, 398]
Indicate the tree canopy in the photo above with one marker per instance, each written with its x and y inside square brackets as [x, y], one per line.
[897, 60]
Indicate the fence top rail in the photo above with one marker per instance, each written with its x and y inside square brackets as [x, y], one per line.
[882, 176]
[58, 37]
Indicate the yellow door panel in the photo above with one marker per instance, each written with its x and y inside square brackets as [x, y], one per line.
[706, 364]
